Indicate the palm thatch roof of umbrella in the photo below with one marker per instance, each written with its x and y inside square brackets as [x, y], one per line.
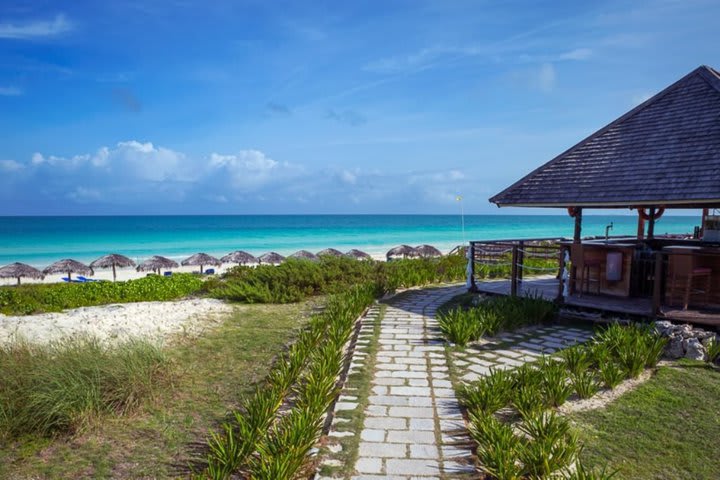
[239, 257]
[113, 260]
[358, 254]
[427, 251]
[271, 258]
[20, 270]
[201, 259]
[330, 251]
[156, 262]
[68, 266]
[304, 255]
[401, 251]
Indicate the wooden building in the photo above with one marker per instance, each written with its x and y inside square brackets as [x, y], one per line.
[662, 155]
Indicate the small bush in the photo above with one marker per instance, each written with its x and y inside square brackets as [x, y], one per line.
[713, 350]
[585, 384]
[581, 472]
[489, 394]
[528, 401]
[555, 387]
[551, 448]
[611, 374]
[498, 447]
[460, 327]
[577, 359]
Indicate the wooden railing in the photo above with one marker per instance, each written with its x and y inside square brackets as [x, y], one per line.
[516, 259]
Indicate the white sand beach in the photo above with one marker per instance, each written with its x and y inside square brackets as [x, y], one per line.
[148, 320]
[131, 274]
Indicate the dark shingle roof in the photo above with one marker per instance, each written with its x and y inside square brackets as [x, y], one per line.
[665, 151]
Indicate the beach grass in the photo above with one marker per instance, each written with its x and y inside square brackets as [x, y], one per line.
[666, 428]
[205, 378]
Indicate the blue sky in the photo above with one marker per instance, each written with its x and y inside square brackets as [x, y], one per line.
[173, 107]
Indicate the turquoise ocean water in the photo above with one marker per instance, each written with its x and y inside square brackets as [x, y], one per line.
[40, 241]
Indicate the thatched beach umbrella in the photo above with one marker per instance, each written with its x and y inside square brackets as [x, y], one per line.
[401, 251]
[201, 259]
[68, 266]
[271, 258]
[239, 257]
[330, 252]
[358, 254]
[427, 251]
[304, 255]
[19, 270]
[113, 260]
[156, 263]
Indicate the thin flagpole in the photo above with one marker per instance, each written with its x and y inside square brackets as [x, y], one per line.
[459, 198]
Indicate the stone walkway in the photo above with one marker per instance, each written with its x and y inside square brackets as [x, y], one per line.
[508, 351]
[413, 416]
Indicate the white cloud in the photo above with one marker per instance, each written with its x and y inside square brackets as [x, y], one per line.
[251, 169]
[544, 78]
[10, 166]
[144, 159]
[348, 177]
[36, 28]
[84, 195]
[577, 54]
[10, 91]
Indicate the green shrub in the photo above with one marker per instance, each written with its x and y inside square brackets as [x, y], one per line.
[713, 350]
[528, 400]
[581, 472]
[498, 447]
[555, 386]
[460, 326]
[58, 388]
[489, 394]
[585, 384]
[577, 359]
[54, 297]
[551, 446]
[611, 374]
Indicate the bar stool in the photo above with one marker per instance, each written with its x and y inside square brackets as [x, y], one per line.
[585, 268]
[687, 286]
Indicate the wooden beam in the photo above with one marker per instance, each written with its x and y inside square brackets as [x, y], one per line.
[473, 285]
[559, 299]
[514, 272]
[578, 226]
[657, 284]
[640, 227]
[651, 223]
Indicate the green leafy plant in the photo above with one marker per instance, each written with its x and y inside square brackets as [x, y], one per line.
[550, 447]
[528, 400]
[555, 387]
[713, 350]
[585, 384]
[498, 447]
[460, 326]
[489, 394]
[577, 359]
[581, 472]
[611, 374]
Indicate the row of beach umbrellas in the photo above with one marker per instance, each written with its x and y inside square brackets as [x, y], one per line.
[157, 263]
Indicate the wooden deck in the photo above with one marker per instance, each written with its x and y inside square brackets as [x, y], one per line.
[547, 287]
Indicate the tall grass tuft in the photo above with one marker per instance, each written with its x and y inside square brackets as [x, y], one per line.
[498, 447]
[611, 374]
[713, 350]
[555, 386]
[60, 387]
[489, 394]
[551, 446]
[585, 384]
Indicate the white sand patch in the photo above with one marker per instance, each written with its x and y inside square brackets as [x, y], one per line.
[148, 320]
[605, 396]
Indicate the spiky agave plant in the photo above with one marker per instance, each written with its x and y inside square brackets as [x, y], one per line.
[555, 386]
[550, 445]
[489, 394]
[497, 447]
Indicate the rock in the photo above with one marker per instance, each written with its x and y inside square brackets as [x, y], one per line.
[685, 330]
[674, 349]
[663, 327]
[694, 349]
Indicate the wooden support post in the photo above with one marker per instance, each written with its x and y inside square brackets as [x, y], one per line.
[560, 298]
[641, 227]
[705, 212]
[578, 226]
[657, 284]
[651, 223]
[473, 285]
[521, 262]
[513, 272]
